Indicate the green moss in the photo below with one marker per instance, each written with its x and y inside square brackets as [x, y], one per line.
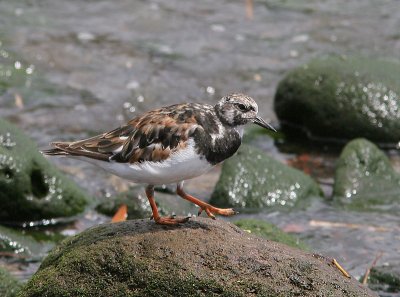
[270, 231]
[252, 180]
[342, 98]
[30, 187]
[9, 286]
[365, 179]
[385, 278]
[117, 274]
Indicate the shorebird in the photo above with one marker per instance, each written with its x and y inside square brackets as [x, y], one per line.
[169, 145]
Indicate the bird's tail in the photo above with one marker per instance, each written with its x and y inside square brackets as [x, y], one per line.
[59, 149]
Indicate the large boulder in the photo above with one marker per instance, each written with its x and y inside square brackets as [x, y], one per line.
[253, 180]
[342, 98]
[365, 179]
[30, 187]
[201, 258]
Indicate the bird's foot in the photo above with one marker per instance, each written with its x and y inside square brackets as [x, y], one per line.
[172, 220]
[211, 210]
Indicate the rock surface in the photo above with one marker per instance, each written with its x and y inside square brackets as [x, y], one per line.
[342, 98]
[252, 180]
[201, 258]
[30, 187]
[365, 179]
[9, 286]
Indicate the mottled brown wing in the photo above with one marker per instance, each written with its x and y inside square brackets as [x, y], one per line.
[151, 137]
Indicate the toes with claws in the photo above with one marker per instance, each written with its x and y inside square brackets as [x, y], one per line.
[171, 220]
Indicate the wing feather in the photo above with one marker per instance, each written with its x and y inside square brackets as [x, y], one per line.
[154, 136]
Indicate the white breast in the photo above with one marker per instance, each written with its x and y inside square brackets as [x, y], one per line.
[182, 165]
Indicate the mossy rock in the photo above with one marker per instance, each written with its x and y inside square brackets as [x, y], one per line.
[385, 278]
[135, 199]
[337, 98]
[365, 179]
[253, 180]
[31, 188]
[139, 207]
[269, 231]
[12, 241]
[9, 286]
[203, 257]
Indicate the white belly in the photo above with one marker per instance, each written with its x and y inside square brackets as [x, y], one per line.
[182, 165]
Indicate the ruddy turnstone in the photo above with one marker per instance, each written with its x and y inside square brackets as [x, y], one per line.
[169, 145]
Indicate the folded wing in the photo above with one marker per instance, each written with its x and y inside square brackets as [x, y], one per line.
[154, 136]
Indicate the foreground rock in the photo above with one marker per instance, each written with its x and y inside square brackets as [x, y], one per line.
[201, 258]
[342, 98]
[9, 286]
[30, 187]
[365, 179]
[252, 180]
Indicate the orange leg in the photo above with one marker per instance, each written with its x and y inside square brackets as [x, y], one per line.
[209, 209]
[156, 216]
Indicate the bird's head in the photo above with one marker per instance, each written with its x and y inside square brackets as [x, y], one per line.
[238, 109]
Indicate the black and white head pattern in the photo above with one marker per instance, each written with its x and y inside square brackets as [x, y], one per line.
[236, 109]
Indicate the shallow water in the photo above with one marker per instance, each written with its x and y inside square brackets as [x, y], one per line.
[77, 68]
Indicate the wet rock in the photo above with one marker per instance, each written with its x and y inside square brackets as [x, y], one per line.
[135, 199]
[13, 242]
[30, 187]
[201, 258]
[385, 278]
[336, 98]
[139, 207]
[9, 286]
[252, 180]
[269, 231]
[365, 179]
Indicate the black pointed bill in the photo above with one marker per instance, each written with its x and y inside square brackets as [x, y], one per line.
[259, 121]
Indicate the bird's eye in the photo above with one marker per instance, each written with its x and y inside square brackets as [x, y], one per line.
[242, 107]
